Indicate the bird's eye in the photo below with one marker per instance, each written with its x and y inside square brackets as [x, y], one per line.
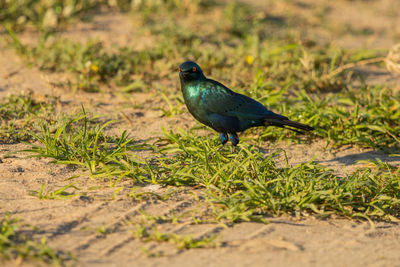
[194, 69]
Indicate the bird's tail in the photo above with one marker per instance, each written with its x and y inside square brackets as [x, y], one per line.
[287, 124]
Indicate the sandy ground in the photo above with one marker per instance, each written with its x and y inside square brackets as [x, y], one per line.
[70, 225]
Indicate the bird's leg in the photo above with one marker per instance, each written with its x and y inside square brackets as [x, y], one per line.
[234, 140]
[223, 137]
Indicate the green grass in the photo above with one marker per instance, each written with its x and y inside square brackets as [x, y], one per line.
[366, 117]
[249, 185]
[84, 144]
[16, 246]
[246, 185]
[90, 63]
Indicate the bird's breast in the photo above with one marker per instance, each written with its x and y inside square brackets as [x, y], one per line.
[192, 94]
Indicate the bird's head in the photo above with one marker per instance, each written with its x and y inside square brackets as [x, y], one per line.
[190, 71]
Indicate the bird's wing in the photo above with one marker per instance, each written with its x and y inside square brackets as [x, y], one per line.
[221, 100]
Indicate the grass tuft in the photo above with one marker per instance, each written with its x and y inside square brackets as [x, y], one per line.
[20, 114]
[78, 142]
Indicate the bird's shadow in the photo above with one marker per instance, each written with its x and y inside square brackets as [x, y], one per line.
[352, 159]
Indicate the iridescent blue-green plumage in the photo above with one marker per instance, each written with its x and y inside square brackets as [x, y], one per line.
[227, 112]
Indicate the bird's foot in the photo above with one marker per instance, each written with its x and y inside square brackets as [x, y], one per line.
[214, 153]
[220, 148]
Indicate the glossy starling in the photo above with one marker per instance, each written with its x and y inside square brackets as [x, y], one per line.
[225, 111]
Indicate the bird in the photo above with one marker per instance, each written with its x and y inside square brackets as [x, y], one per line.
[227, 112]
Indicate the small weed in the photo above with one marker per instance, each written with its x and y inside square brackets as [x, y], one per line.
[149, 233]
[161, 219]
[14, 245]
[60, 193]
[103, 230]
[149, 195]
